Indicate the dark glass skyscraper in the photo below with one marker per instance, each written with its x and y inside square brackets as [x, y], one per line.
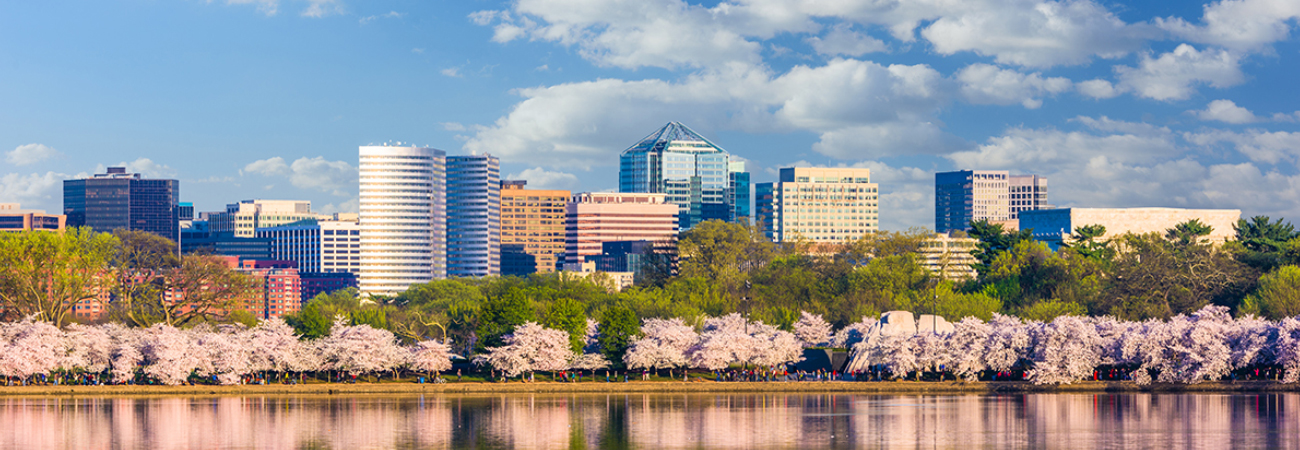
[693, 172]
[117, 199]
[473, 216]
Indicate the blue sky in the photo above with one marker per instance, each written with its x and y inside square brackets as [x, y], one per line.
[1120, 104]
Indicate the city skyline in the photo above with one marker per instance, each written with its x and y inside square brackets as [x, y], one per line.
[1120, 104]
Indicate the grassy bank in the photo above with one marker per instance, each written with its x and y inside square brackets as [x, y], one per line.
[653, 387]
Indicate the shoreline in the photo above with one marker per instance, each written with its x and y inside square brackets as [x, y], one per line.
[655, 387]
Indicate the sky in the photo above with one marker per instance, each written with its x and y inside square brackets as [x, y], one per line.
[1119, 104]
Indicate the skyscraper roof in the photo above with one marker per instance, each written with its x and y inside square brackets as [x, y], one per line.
[677, 136]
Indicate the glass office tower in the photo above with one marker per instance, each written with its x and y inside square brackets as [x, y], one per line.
[121, 200]
[691, 171]
[403, 217]
[473, 216]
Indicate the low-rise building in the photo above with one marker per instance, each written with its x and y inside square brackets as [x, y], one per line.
[1054, 226]
[949, 255]
[611, 281]
[14, 218]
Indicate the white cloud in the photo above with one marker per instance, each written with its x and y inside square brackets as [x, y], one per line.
[453, 126]
[349, 206]
[30, 154]
[1098, 89]
[270, 166]
[1029, 149]
[1225, 111]
[453, 72]
[1257, 145]
[143, 166]
[987, 84]
[1172, 76]
[34, 191]
[1241, 25]
[388, 15]
[842, 40]
[334, 177]
[539, 178]
[1035, 34]
[860, 109]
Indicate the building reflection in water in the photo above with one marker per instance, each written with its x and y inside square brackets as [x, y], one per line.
[654, 421]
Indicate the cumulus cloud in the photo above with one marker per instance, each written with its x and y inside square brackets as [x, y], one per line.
[986, 84]
[34, 191]
[1173, 75]
[843, 41]
[270, 166]
[1242, 25]
[453, 72]
[30, 154]
[335, 177]
[860, 109]
[1036, 34]
[1114, 163]
[143, 166]
[539, 178]
[1270, 147]
[1225, 111]
[1098, 89]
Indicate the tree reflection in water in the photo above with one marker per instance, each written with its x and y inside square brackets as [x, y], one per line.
[654, 421]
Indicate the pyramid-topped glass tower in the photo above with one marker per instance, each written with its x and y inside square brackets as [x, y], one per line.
[694, 173]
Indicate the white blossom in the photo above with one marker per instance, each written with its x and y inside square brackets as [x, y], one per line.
[531, 348]
[1066, 350]
[812, 330]
[663, 345]
[431, 356]
[360, 349]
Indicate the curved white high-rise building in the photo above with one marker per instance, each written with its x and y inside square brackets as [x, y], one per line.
[403, 217]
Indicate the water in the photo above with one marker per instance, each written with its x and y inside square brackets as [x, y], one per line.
[1209, 421]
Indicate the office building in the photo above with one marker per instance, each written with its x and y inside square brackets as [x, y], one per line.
[948, 255]
[279, 291]
[690, 171]
[226, 244]
[965, 196]
[738, 193]
[403, 217]
[1055, 226]
[819, 204]
[120, 200]
[14, 218]
[317, 245]
[532, 228]
[592, 219]
[244, 218]
[316, 283]
[473, 216]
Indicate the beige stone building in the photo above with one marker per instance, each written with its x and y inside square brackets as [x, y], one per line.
[244, 218]
[949, 255]
[14, 218]
[1053, 226]
[820, 204]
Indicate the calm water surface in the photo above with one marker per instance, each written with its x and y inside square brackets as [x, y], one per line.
[655, 421]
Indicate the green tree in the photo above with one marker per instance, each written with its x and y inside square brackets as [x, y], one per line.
[618, 327]
[1087, 241]
[1155, 277]
[45, 274]
[569, 316]
[1278, 295]
[994, 240]
[500, 315]
[1263, 241]
[140, 268]
[1048, 310]
[723, 252]
[1189, 233]
[202, 288]
[317, 316]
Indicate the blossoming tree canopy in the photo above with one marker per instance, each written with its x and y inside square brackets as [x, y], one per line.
[531, 348]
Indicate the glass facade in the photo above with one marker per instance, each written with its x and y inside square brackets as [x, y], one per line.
[964, 196]
[692, 172]
[403, 217]
[120, 200]
[473, 216]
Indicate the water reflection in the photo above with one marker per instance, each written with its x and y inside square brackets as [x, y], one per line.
[654, 421]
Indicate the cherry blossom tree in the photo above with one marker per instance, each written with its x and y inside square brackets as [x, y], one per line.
[967, 345]
[126, 352]
[1287, 349]
[774, 347]
[1008, 343]
[229, 354]
[1186, 349]
[723, 342]
[531, 348]
[812, 330]
[360, 349]
[89, 348]
[31, 347]
[663, 345]
[897, 353]
[274, 347]
[1253, 341]
[589, 361]
[170, 355]
[1066, 350]
[431, 356]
